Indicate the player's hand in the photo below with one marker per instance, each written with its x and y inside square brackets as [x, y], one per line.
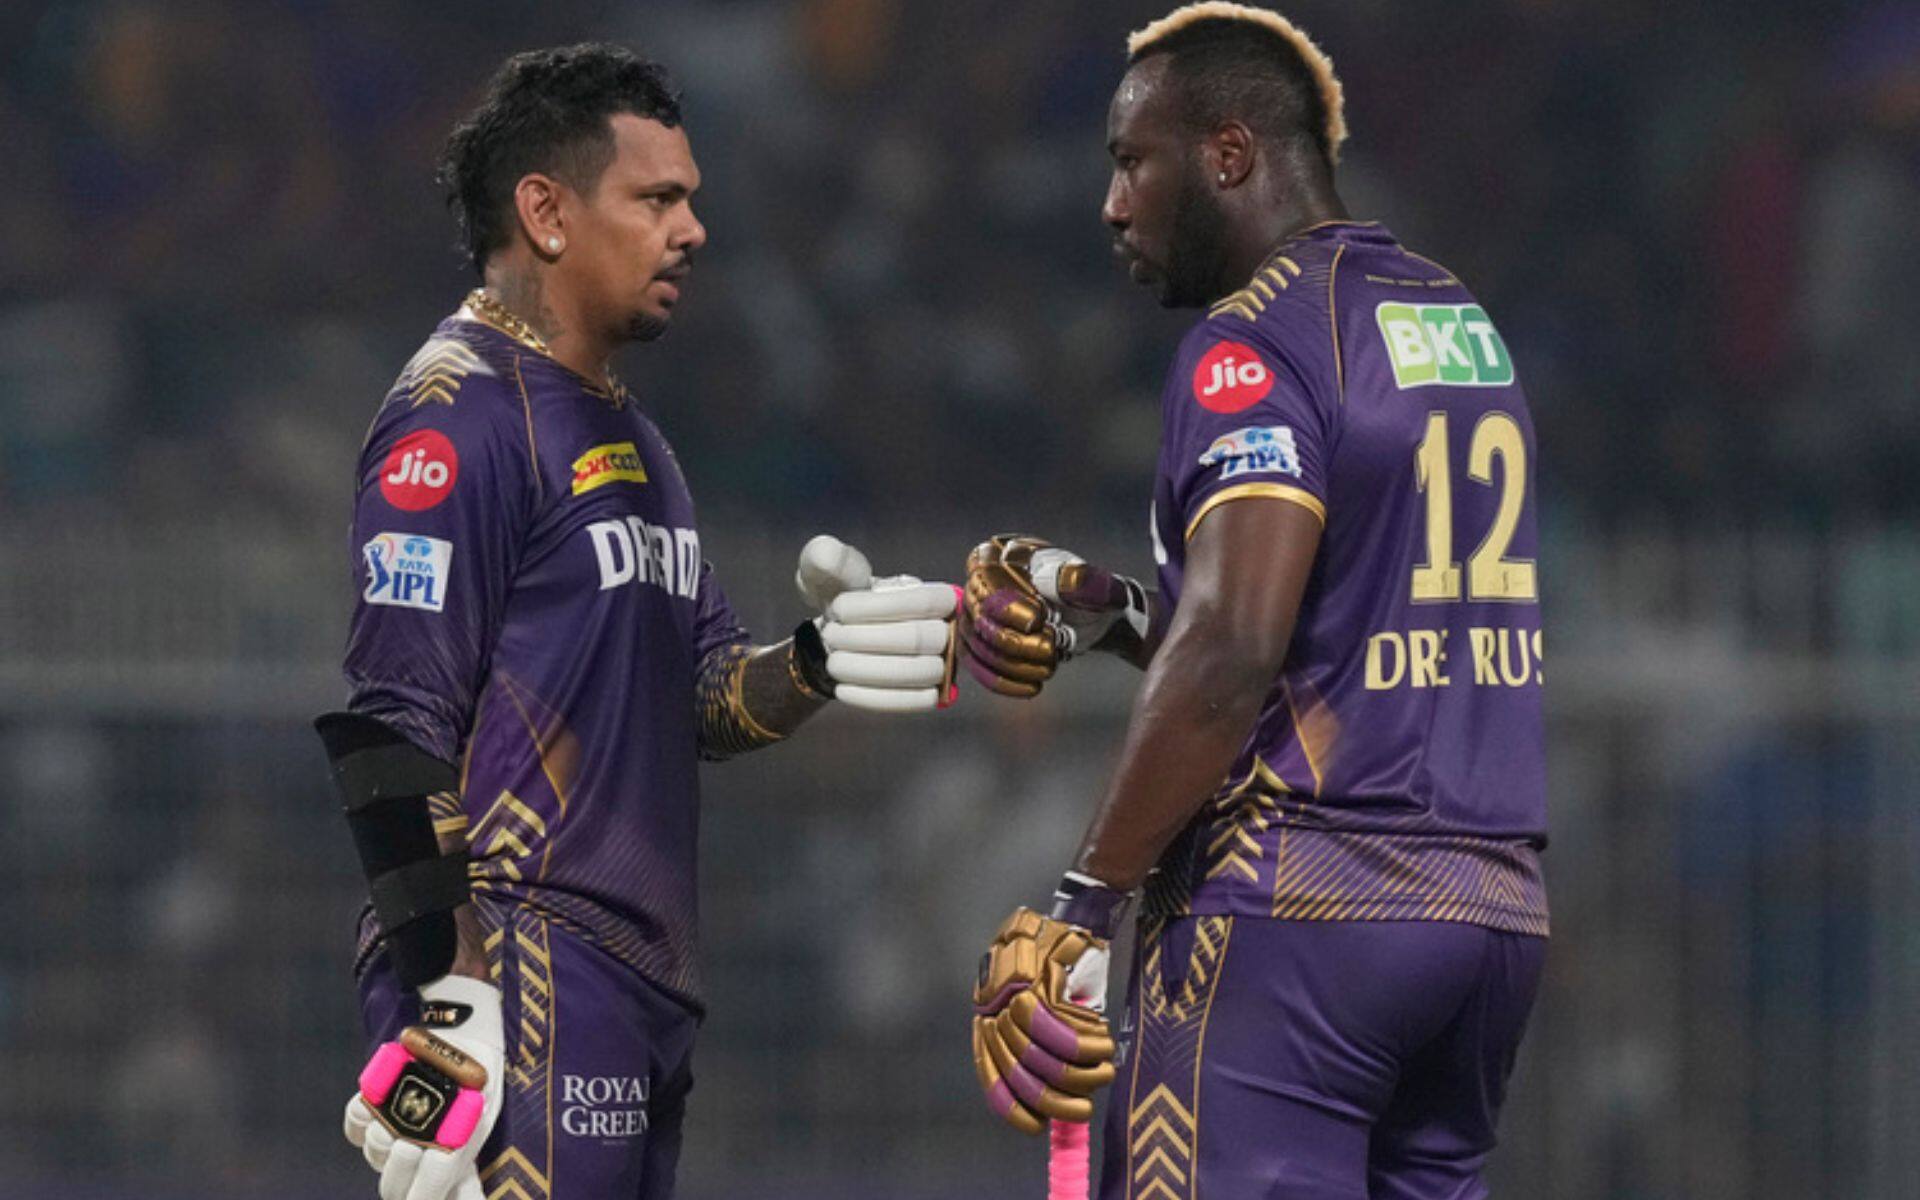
[428, 1100]
[1030, 606]
[889, 644]
[1041, 1045]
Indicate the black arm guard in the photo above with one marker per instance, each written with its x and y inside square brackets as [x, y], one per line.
[384, 782]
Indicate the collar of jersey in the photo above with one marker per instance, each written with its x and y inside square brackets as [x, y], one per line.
[481, 307]
[1318, 228]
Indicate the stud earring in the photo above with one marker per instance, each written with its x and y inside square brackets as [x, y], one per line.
[553, 243]
[1223, 177]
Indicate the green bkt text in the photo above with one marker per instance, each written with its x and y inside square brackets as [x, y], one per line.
[1447, 344]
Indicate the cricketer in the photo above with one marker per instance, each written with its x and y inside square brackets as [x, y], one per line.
[539, 657]
[1333, 781]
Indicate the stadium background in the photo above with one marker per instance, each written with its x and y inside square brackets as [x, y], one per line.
[219, 240]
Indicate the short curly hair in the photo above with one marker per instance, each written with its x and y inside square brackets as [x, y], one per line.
[546, 111]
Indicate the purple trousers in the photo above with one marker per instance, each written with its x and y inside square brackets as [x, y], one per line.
[1303, 1060]
[598, 1066]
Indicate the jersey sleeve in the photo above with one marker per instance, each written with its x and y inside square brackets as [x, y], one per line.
[446, 495]
[714, 622]
[1244, 419]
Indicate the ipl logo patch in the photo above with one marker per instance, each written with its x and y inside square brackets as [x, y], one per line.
[1255, 450]
[407, 570]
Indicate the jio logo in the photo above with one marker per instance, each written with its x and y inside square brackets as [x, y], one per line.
[1231, 377]
[419, 471]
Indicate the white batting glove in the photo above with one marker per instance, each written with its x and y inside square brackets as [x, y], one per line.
[428, 1100]
[890, 642]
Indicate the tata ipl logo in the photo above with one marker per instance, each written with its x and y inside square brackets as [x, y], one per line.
[1448, 344]
[407, 570]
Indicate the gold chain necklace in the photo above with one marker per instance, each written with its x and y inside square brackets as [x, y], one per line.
[496, 314]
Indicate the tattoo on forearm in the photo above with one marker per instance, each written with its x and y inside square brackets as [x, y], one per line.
[770, 693]
[748, 699]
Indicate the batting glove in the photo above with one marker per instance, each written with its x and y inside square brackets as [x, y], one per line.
[428, 1100]
[888, 645]
[1030, 606]
[1041, 1045]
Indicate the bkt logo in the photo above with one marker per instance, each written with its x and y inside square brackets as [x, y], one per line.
[1448, 344]
[1231, 377]
[407, 570]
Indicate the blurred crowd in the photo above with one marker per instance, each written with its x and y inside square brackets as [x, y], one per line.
[223, 238]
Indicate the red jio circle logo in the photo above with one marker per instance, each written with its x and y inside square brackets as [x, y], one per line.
[419, 471]
[1231, 377]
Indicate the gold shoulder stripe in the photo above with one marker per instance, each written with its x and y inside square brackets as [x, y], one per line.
[1259, 491]
[1276, 277]
[1290, 265]
[436, 372]
[1260, 285]
[1242, 304]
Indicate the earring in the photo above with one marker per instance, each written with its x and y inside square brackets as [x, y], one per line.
[553, 243]
[1223, 177]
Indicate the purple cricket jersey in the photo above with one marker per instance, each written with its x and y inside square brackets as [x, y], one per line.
[1397, 770]
[533, 605]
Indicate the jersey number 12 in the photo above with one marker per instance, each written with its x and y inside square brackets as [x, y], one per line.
[1491, 575]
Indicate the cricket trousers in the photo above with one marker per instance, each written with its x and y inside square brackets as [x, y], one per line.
[598, 1065]
[1314, 1060]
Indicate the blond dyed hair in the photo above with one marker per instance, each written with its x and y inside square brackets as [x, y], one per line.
[1332, 95]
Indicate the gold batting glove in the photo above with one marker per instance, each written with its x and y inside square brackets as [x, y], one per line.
[1029, 606]
[1041, 1045]
[1011, 632]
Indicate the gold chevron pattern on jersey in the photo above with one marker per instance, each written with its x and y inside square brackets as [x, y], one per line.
[1195, 992]
[510, 1176]
[1276, 275]
[1239, 817]
[1160, 1143]
[1163, 1125]
[436, 371]
[507, 837]
[520, 954]
[513, 837]
[1310, 861]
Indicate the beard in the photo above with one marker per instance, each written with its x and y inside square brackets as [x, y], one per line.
[644, 327]
[1196, 247]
